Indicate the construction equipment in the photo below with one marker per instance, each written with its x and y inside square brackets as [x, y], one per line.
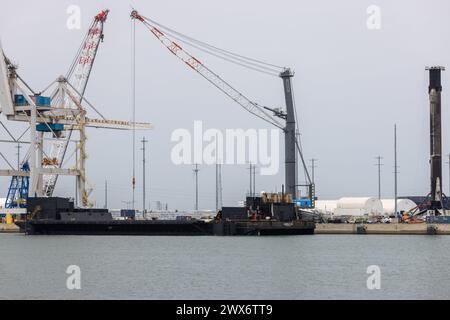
[63, 111]
[54, 119]
[18, 190]
[270, 115]
[78, 75]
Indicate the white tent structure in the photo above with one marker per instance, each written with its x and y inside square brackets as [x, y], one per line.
[326, 206]
[359, 207]
[364, 206]
[402, 205]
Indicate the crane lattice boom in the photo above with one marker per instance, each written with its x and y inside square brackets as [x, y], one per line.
[273, 116]
[208, 74]
[78, 76]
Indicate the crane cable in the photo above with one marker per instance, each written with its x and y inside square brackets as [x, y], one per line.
[270, 119]
[254, 68]
[299, 141]
[214, 47]
[206, 47]
[224, 56]
[133, 103]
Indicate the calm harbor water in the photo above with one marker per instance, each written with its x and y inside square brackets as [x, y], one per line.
[302, 267]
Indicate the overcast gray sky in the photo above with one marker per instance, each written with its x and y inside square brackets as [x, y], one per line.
[352, 84]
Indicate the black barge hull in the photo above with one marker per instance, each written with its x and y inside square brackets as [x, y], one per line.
[128, 228]
[58, 216]
[167, 228]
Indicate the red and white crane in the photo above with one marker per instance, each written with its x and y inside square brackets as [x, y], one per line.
[78, 76]
[207, 73]
[53, 118]
[270, 115]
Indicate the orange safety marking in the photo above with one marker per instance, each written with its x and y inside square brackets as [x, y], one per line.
[174, 48]
[156, 32]
[50, 162]
[193, 63]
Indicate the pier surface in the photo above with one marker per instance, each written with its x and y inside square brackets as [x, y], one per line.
[346, 228]
[389, 228]
[8, 228]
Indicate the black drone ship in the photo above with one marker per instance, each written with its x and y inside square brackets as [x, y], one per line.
[261, 216]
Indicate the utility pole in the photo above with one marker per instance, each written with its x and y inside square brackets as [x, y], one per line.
[18, 156]
[106, 194]
[448, 173]
[254, 180]
[313, 167]
[76, 180]
[251, 180]
[220, 187]
[217, 187]
[218, 178]
[379, 164]
[144, 141]
[196, 170]
[395, 169]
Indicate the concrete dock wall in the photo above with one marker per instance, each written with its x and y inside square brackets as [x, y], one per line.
[8, 228]
[392, 228]
[347, 228]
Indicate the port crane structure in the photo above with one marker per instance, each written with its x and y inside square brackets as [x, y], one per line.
[54, 118]
[78, 75]
[284, 120]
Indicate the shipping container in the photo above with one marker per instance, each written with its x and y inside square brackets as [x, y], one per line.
[20, 101]
[55, 127]
[438, 219]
